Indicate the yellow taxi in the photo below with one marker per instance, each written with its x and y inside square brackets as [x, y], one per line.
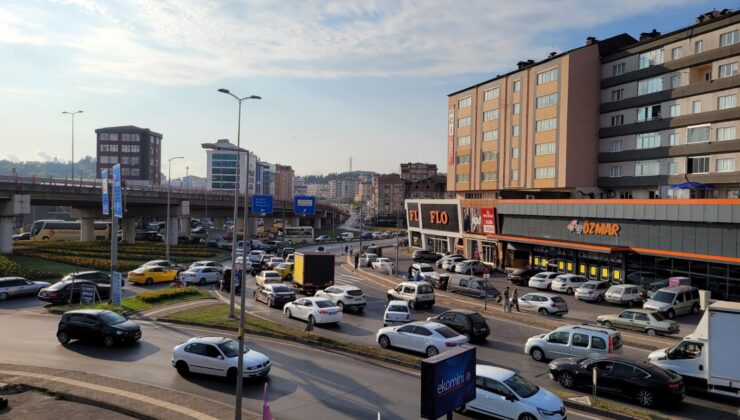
[152, 274]
[285, 270]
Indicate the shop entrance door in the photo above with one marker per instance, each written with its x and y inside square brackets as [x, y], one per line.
[439, 245]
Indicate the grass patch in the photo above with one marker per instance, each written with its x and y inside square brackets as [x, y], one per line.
[614, 407]
[137, 303]
[10, 267]
[218, 315]
[54, 267]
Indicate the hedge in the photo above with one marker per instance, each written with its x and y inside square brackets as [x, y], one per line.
[99, 263]
[165, 294]
[10, 268]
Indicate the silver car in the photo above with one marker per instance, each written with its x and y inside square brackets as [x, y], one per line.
[642, 320]
[18, 286]
[592, 291]
[543, 303]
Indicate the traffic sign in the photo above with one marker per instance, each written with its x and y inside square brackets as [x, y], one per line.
[87, 293]
[106, 197]
[305, 205]
[115, 288]
[262, 204]
[117, 202]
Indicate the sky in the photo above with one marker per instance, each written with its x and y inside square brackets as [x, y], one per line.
[365, 79]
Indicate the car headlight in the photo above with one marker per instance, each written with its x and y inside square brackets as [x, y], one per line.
[119, 332]
[548, 412]
[551, 366]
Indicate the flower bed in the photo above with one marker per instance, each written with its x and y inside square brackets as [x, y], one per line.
[9, 268]
[167, 294]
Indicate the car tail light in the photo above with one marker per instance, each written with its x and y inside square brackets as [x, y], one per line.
[51, 293]
[611, 345]
[674, 387]
[323, 312]
[448, 344]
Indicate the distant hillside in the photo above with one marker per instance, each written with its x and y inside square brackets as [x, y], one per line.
[323, 179]
[55, 169]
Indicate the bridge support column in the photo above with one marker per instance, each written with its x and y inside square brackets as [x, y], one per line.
[18, 205]
[317, 223]
[173, 230]
[218, 222]
[6, 234]
[129, 230]
[184, 225]
[87, 229]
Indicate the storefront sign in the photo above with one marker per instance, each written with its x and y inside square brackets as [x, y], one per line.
[451, 135]
[442, 217]
[588, 227]
[412, 214]
[488, 220]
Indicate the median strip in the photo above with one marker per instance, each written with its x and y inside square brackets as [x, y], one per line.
[142, 301]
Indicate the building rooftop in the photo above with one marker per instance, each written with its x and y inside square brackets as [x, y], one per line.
[222, 144]
[125, 129]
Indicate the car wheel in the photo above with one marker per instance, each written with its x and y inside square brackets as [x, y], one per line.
[432, 351]
[412, 304]
[537, 354]
[149, 281]
[630, 303]
[3, 296]
[182, 368]
[569, 291]
[645, 398]
[340, 305]
[269, 302]
[607, 324]
[671, 314]
[231, 375]
[384, 341]
[109, 341]
[543, 311]
[202, 282]
[288, 314]
[63, 337]
[527, 416]
[650, 331]
[694, 309]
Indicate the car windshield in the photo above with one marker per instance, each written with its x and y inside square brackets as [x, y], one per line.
[658, 316]
[447, 332]
[111, 318]
[398, 308]
[280, 289]
[663, 297]
[231, 348]
[426, 269]
[323, 303]
[272, 275]
[521, 386]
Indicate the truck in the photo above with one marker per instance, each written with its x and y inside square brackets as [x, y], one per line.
[313, 271]
[707, 357]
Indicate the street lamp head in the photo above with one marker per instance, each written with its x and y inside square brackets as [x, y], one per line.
[255, 97]
[175, 157]
[224, 90]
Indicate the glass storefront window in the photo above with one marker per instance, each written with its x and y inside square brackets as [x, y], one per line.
[605, 273]
[719, 270]
[698, 267]
[536, 261]
[561, 265]
[543, 263]
[617, 275]
[582, 269]
[569, 267]
[592, 271]
[718, 287]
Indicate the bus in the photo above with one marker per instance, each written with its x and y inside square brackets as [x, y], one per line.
[297, 235]
[61, 230]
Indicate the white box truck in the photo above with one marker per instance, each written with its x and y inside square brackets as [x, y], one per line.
[708, 357]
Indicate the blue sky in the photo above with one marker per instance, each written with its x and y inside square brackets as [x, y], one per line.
[361, 78]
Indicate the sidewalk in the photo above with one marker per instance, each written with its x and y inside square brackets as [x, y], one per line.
[129, 398]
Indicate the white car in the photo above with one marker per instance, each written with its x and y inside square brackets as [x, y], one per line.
[274, 261]
[350, 297]
[366, 259]
[255, 257]
[218, 356]
[442, 260]
[567, 283]
[200, 275]
[543, 280]
[382, 263]
[267, 277]
[314, 310]
[503, 393]
[423, 269]
[430, 338]
[470, 267]
[238, 263]
[214, 264]
[449, 263]
[397, 312]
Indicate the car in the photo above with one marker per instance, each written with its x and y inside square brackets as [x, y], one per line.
[287, 251]
[225, 282]
[323, 239]
[567, 283]
[19, 286]
[423, 255]
[521, 275]
[268, 276]
[274, 295]
[255, 257]
[642, 320]
[238, 263]
[377, 235]
[214, 264]
[201, 275]
[504, 393]
[422, 270]
[543, 303]
[543, 280]
[648, 384]
[468, 323]
[152, 274]
[445, 258]
[349, 297]
[285, 270]
[366, 259]
[97, 325]
[69, 291]
[314, 310]
[382, 263]
[430, 338]
[265, 261]
[97, 277]
[574, 341]
[367, 235]
[396, 312]
[218, 356]
[625, 294]
[473, 287]
[673, 301]
[291, 257]
[470, 267]
[25, 236]
[592, 291]
[416, 294]
[163, 263]
[449, 263]
[274, 261]
[438, 281]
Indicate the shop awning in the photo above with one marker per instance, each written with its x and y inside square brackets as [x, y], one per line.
[518, 247]
[516, 240]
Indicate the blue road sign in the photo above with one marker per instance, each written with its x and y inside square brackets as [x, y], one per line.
[262, 204]
[117, 202]
[106, 197]
[115, 289]
[304, 205]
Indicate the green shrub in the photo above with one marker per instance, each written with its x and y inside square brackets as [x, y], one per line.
[11, 268]
[165, 294]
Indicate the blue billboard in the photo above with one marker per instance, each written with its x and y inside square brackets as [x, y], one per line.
[447, 381]
[304, 205]
[117, 202]
[106, 197]
[262, 204]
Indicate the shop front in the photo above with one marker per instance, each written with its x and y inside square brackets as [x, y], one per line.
[479, 220]
[434, 225]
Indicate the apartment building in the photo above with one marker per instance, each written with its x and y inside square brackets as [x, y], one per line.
[364, 191]
[388, 195]
[284, 182]
[226, 165]
[137, 150]
[417, 171]
[430, 187]
[669, 113]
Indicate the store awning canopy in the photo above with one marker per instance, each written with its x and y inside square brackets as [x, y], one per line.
[692, 185]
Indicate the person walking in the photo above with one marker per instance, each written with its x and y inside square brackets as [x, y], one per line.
[507, 302]
[357, 260]
[515, 299]
[346, 250]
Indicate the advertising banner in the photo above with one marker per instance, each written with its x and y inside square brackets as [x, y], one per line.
[447, 381]
[87, 294]
[442, 217]
[117, 201]
[262, 204]
[416, 239]
[488, 220]
[472, 220]
[451, 136]
[412, 214]
[106, 197]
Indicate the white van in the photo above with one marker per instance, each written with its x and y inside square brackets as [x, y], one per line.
[347, 236]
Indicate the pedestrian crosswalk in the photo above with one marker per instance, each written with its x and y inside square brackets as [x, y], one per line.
[348, 279]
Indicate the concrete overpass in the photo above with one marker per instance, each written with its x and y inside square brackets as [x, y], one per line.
[18, 194]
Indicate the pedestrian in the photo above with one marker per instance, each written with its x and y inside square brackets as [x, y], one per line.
[410, 276]
[346, 250]
[238, 281]
[350, 251]
[515, 299]
[357, 260]
[417, 277]
[507, 302]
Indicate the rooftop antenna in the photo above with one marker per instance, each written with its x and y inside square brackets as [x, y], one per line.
[350, 164]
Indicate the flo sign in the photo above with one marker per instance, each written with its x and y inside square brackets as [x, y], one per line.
[447, 382]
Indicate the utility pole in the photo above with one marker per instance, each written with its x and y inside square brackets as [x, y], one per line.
[398, 232]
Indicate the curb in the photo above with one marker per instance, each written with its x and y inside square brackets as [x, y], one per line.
[594, 410]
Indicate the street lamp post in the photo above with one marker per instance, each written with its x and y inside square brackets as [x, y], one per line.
[73, 138]
[167, 223]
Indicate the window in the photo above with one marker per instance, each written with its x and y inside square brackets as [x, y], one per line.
[462, 159]
[547, 76]
[125, 160]
[615, 171]
[515, 174]
[490, 135]
[463, 141]
[104, 159]
[547, 100]
[488, 176]
[514, 130]
[598, 343]
[673, 139]
[615, 146]
[696, 107]
[647, 168]
[544, 148]
[516, 108]
[675, 111]
[698, 134]
[618, 69]
[726, 133]
[617, 120]
[491, 94]
[726, 165]
[113, 148]
[548, 124]
[580, 340]
[651, 58]
[465, 102]
[676, 53]
[491, 155]
[463, 122]
[675, 81]
[104, 148]
[648, 113]
[516, 86]
[648, 140]
[698, 47]
[113, 159]
[515, 153]
[697, 165]
[728, 101]
[728, 38]
[462, 178]
[130, 137]
[727, 70]
[560, 337]
[673, 168]
[543, 173]
[617, 95]
[490, 115]
[651, 85]
[125, 171]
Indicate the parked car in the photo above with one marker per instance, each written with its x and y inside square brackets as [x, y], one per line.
[274, 295]
[285, 270]
[366, 259]
[152, 274]
[592, 291]
[213, 264]
[574, 341]
[18, 286]
[268, 276]
[349, 297]
[164, 263]
[648, 384]
[642, 320]
[473, 287]
[468, 323]
[543, 280]
[383, 263]
[274, 261]
[449, 264]
[322, 239]
[423, 255]
[97, 325]
[313, 310]
[543, 303]
[438, 281]
[567, 283]
[442, 260]
[255, 257]
[625, 294]
[69, 291]
[25, 236]
[225, 282]
[423, 270]
[201, 275]
[521, 275]
[673, 301]
[287, 251]
[470, 267]
[97, 277]
[416, 294]
[503, 393]
[430, 338]
[396, 312]
[218, 356]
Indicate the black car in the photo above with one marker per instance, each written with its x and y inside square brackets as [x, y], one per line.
[646, 383]
[22, 236]
[274, 295]
[68, 291]
[423, 255]
[225, 281]
[522, 275]
[468, 323]
[97, 325]
[97, 277]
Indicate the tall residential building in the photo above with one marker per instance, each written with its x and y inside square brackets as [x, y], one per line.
[669, 113]
[318, 190]
[343, 187]
[532, 131]
[266, 173]
[388, 195]
[223, 170]
[431, 187]
[364, 191]
[138, 150]
[299, 186]
[417, 171]
[284, 182]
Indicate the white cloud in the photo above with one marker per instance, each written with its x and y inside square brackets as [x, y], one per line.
[10, 157]
[15, 30]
